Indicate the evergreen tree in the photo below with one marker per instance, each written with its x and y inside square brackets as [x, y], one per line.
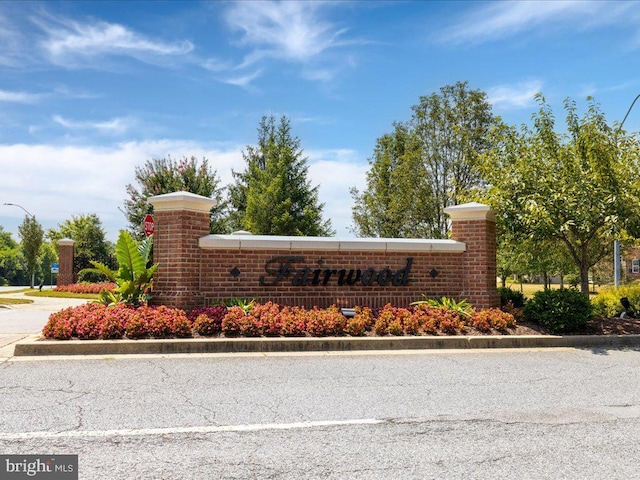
[273, 196]
[160, 176]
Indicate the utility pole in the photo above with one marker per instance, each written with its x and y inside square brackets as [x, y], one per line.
[616, 243]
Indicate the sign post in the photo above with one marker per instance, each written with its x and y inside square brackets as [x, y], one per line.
[55, 268]
[149, 225]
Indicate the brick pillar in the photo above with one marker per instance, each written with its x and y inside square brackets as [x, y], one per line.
[65, 259]
[180, 218]
[475, 225]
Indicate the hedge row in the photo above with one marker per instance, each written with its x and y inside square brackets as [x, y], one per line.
[97, 321]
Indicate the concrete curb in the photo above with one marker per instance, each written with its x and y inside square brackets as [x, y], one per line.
[34, 346]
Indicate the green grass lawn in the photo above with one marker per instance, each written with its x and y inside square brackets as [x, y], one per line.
[14, 301]
[530, 288]
[51, 293]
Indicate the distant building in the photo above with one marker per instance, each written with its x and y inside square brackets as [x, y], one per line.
[631, 258]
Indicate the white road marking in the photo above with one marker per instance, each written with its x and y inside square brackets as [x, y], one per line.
[180, 430]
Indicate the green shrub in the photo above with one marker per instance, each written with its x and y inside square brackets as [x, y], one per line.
[462, 308]
[572, 279]
[607, 302]
[561, 311]
[507, 295]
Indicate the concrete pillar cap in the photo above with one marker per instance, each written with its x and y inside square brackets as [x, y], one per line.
[470, 211]
[66, 241]
[182, 201]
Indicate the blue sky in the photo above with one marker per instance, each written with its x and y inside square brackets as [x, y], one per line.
[89, 90]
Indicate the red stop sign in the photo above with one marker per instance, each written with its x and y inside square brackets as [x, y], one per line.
[149, 226]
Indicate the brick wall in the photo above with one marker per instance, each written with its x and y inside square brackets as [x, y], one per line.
[218, 283]
[176, 251]
[193, 271]
[65, 259]
[479, 269]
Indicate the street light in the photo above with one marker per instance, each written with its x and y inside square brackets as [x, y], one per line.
[20, 206]
[616, 242]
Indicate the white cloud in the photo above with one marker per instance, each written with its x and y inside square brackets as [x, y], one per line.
[71, 43]
[291, 30]
[55, 182]
[498, 20]
[13, 52]
[336, 171]
[118, 125]
[243, 81]
[19, 97]
[520, 95]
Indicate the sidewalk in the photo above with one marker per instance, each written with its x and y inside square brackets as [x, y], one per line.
[17, 322]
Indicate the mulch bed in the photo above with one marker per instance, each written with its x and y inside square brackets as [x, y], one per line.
[596, 326]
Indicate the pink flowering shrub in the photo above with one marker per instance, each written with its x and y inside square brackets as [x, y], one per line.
[356, 326]
[293, 321]
[232, 323]
[94, 320]
[485, 320]
[114, 321]
[409, 324]
[136, 326]
[385, 317]
[426, 321]
[95, 288]
[61, 325]
[88, 326]
[207, 321]
[327, 322]
[267, 318]
[163, 322]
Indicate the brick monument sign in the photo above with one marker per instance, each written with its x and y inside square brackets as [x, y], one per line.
[197, 268]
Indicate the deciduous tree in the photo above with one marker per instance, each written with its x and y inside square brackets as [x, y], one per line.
[12, 265]
[580, 188]
[430, 163]
[159, 176]
[31, 236]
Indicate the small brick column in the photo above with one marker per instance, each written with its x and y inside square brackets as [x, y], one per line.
[65, 259]
[475, 225]
[180, 218]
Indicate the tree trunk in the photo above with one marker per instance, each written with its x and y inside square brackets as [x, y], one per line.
[561, 281]
[584, 279]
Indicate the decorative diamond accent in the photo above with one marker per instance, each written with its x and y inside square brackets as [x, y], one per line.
[434, 273]
[235, 272]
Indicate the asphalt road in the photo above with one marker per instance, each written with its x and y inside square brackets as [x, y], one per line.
[569, 414]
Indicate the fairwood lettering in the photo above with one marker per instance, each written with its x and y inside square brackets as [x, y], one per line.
[280, 268]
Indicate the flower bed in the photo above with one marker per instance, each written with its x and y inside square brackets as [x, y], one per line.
[97, 321]
[86, 287]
